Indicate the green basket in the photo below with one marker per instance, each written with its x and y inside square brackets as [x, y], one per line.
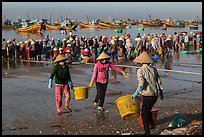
[198, 51]
[185, 52]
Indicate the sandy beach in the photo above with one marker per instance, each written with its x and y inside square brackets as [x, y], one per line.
[28, 106]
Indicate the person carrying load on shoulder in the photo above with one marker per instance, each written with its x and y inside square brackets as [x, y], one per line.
[100, 75]
[63, 79]
[149, 86]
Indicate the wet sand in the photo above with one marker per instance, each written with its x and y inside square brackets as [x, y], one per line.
[28, 106]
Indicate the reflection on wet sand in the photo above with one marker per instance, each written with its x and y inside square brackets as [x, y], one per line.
[160, 63]
[198, 58]
[168, 65]
[176, 57]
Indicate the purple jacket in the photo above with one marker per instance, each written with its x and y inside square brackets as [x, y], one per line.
[100, 73]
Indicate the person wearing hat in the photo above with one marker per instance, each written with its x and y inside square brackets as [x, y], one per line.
[63, 79]
[54, 53]
[149, 87]
[114, 50]
[100, 76]
[168, 44]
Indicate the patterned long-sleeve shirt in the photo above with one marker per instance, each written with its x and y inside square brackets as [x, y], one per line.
[100, 73]
[149, 80]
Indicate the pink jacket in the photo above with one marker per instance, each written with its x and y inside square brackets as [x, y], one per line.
[100, 73]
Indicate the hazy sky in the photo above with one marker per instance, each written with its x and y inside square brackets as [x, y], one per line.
[79, 10]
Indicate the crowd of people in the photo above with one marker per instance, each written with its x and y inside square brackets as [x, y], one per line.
[119, 48]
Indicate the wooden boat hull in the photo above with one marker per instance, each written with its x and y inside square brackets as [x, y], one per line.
[151, 24]
[7, 26]
[104, 24]
[174, 25]
[52, 27]
[109, 25]
[32, 28]
[73, 27]
[56, 23]
[82, 25]
[117, 27]
[193, 26]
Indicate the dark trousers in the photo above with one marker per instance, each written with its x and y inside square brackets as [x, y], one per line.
[101, 92]
[4, 53]
[147, 104]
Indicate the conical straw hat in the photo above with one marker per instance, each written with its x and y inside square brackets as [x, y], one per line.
[143, 58]
[103, 55]
[32, 42]
[60, 58]
[55, 49]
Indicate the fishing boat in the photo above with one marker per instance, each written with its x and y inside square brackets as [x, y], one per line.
[32, 28]
[155, 22]
[193, 26]
[105, 24]
[134, 22]
[56, 22]
[52, 27]
[4, 26]
[7, 25]
[117, 24]
[171, 24]
[83, 25]
[175, 23]
[148, 23]
[72, 27]
[90, 24]
[113, 25]
[68, 24]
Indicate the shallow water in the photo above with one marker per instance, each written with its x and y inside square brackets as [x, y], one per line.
[88, 32]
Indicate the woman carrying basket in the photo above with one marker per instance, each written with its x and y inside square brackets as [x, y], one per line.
[100, 75]
[149, 87]
[62, 77]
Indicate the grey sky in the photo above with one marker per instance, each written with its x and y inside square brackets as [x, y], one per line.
[79, 10]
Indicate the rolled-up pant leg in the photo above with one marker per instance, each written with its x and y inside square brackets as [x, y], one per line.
[67, 94]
